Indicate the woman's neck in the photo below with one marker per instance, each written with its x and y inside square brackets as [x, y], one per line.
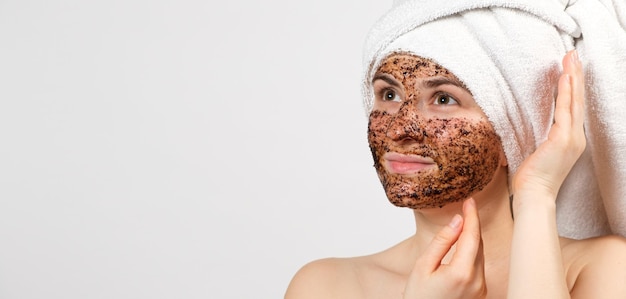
[495, 220]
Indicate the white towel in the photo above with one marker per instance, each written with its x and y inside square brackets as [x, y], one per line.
[508, 53]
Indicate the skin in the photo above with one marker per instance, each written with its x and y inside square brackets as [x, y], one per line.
[466, 152]
[473, 249]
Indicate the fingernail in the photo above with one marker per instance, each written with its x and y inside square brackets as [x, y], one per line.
[575, 57]
[456, 221]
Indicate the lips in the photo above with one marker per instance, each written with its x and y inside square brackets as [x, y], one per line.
[407, 164]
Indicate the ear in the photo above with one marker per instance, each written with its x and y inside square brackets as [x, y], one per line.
[503, 161]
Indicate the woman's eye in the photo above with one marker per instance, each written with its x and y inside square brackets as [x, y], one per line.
[445, 99]
[391, 96]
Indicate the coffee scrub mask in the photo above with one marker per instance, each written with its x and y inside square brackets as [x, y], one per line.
[466, 151]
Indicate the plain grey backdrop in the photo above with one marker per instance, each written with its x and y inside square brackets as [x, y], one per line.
[183, 148]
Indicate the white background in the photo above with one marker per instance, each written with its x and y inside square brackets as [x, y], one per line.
[183, 149]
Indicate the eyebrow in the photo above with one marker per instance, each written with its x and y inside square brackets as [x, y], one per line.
[430, 83]
[435, 82]
[387, 78]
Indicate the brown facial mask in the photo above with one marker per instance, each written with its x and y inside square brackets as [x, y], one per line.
[465, 152]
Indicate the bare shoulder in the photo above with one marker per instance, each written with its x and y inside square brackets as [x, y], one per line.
[597, 267]
[326, 278]
[380, 275]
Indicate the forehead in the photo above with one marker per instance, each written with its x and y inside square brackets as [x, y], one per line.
[403, 66]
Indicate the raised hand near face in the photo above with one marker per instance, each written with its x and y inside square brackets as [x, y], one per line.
[543, 172]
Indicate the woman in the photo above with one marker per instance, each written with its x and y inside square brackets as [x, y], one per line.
[440, 150]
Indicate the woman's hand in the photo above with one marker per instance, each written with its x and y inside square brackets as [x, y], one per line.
[464, 276]
[544, 171]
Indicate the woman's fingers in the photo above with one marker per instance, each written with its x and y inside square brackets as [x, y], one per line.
[563, 109]
[578, 90]
[571, 93]
[469, 247]
[431, 259]
[464, 276]
[569, 113]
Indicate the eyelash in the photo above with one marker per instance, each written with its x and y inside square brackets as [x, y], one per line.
[384, 92]
[444, 94]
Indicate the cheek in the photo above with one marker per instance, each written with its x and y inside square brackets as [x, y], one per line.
[376, 133]
[377, 126]
[462, 136]
[471, 149]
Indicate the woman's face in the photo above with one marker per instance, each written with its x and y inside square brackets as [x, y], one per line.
[431, 142]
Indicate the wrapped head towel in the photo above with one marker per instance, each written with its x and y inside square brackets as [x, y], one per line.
[508, 53]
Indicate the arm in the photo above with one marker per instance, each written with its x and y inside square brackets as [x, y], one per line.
[536, 269]
[536, 262]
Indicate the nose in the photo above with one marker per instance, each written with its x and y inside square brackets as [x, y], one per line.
[407, 125]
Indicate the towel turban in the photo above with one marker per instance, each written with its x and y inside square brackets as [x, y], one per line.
[508, 53]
